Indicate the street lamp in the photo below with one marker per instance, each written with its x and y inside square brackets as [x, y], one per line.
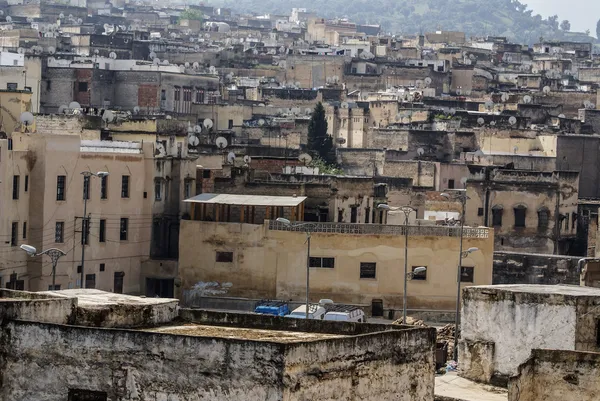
[85, 221]
[407, 210]
[462, 197]
[54, 254]
[289, 224]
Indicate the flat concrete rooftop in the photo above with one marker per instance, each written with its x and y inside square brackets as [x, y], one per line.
[236, 333]
[88, 298]
[570, 290]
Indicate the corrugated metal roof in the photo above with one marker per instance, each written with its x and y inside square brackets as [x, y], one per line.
[248, 200]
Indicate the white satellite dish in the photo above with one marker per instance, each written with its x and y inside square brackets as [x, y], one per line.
[465, 179]
[108, 116]
[504, 97]
[96, 52]
[305, 158]
[112, 55]
[156, 61]
[208, 124]
[165, 62]
[21, 50]
[420, 152]
[136, 109]
[29, 19]
[193, 140]
[261, 122]
[212, 69]
[489, 105]
[493, 123]
[247, 159]
[8, 18]
[221, 142]
[26, 119]
[152, 55]
[62, 109]
[74, 105]
[427, 81]
[480, 121]
[515, 149]
[561, 116]
[526, 99]
[452, 112]
[197, 129]
[196, 65]
[546, 89]
[61, 16]
[187, 64]
[230, 157]
[51, 49]
[344, 105]
[512, 120]
[79, 21]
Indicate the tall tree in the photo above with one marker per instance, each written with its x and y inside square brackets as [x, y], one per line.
[598, 30]
[565, 25]
[319, 143]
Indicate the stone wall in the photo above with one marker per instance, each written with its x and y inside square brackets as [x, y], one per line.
[36, 307]
[554, 375]
[530, 268]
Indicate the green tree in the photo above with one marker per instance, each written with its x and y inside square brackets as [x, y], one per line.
[565, 25]
[319, 143]
[598, 30]
[191, 14]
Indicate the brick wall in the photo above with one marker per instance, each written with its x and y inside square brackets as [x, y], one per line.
[148, 95]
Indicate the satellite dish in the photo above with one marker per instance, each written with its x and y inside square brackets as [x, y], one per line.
[247, 159]
[187, 64]
[221, 142]
[261, 122]
[344, 105]
[165, 62]
[156, 61]
[62, 109]
[74, 105]
[197, 129]
[112, 55]
[480, 121]
[515, 149]
[452, 112]
[305, 158]
[20, 50]
[61, 16]
[489, 105]
[464, 179]
[152, 55]
[26, 119]
[51, 49]
[561, 116]
[29, 19]
[79, 21]
[136, 109]
[8, 18]
[493, 123]
[230, 157]
[546, 89]
[196, 65]
[419, 83]
[341, 141]
[208, 124]
[212, 69]
[193, 140]
[420, 151]
[512, 120]
[504, 97]
[108, 116]
[427, 81]
[96, 52]
[527, 99]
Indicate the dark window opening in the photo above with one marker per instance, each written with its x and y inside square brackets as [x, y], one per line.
[367, 214]
[497, 217]
[25, 230]
[322, 263]
[419, 276]
[59, 232]
[15, 187]
[87, 395]
[102, 231]
[90, 281]
[450, 184]
[104, 187]
[205, 173]
[14, 234]
[118, 282]
[353, 214]
[102, 267]
[123, 229]
[520, 212]
[224, 257]
[340, 216]
[368, 270]
[26, 183]
[598, 333]
[86, 187]
[163, 288]
[12, 86]
[60, 187]
[323, 214]
[466, 274]
[480, 211]
[543, 219]
[125, 186]
[230, 124]
[55, 288]
[157, 190]
[82, 86]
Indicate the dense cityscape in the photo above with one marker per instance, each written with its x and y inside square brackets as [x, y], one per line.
[202, 203]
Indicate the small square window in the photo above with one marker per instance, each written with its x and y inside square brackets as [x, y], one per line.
[206, 174]
[102, 267]
[55, 288]
[368, 270]
[466, 274]
[224, 257]
[480, 211]
[82, 86]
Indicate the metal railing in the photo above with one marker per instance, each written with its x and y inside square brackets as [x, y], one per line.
[383, 229]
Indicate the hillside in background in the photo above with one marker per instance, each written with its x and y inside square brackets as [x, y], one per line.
[509, 18]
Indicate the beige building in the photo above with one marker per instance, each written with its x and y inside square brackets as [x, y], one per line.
[350, 263]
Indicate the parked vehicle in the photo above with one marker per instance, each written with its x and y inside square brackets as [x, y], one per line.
[345, 313]
[275, 308]
[315, 311]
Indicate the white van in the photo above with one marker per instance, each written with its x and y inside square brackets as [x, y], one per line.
[315, 311]
[342, 313]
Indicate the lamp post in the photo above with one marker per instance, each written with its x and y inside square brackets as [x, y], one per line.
[289, 224]
[462, 197]
[85, 221]
[54, 254]
[407, 210]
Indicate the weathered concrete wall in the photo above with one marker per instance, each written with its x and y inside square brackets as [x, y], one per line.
[36, 307]
[515, 323]
[529, 268]
[553, 375]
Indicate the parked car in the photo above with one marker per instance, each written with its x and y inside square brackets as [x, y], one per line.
[275, 308]
[345, 313]
[315, 311]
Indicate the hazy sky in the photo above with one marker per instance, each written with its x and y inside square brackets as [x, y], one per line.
[583, 14]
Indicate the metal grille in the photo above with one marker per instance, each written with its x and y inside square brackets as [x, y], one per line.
[382, 229]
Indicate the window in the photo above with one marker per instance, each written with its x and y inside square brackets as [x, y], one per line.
[118, 282]
[353, 214]
[497, 216]
[102, 231]
[520, 212]
[157, 188]
[199, 96]
[573, 220]
[177, 95]
[224, 257]
[59, 232]
[322, 263]
[104, 187]
[163, 94]
[368, 270]
[82, 86]
[367, 213]
[340, 216]
[205, 173]
[466, 274]
[60, 187]
[102, 267]
[187, 189]
[10, 144]
[14, 234]
[55, 288]
[125, 186]
[230, 124]
[86, 187]
[123, 228]
[450, 184]
[26, 183]
[419, 276]
[25, 230]
[543, 218]
[85, 231]
[90, 281]
[480, 211]
[11, 86]
[15, 187]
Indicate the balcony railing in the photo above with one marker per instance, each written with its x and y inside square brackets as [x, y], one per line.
[384, 229]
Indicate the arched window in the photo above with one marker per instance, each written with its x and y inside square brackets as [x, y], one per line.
[520, 213]
[543, 218]
[497, 211]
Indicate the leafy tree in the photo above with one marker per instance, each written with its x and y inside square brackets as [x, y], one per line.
[598, 30]
[565, 25]
[320, 143]
[191, 14]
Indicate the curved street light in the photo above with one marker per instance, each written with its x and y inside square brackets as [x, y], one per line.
[54, 254]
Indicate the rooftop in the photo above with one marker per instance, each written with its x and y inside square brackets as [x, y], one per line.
[248, 200]
[88, 298]
[569, 290]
